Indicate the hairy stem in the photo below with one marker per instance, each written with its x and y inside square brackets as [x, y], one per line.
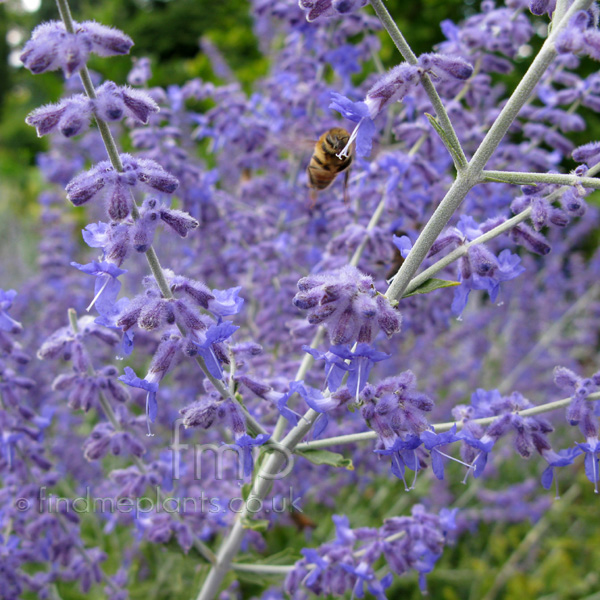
[465, 181]
[262, 484]
[202, 548]
[435, 268]
[438, 427]
[152, 258]
[518, 178]
[409, 56]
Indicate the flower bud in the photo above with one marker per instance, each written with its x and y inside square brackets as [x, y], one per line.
[108, 104]
[138, 104]
[391, 87]
[482, 260]
[572, 203]
[119, 202]
[181, 222]
[347, 6]
[445, 66]
[588, 153]
[533, 241]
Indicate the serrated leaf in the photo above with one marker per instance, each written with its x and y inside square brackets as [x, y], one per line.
[255, 524]
[431, 285]
[326, 457]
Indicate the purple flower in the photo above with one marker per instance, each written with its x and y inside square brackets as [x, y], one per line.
[107, 286]
[150, 385]
[483, 447]
[404, 245]
[292, 416]
[116, 187]
[7, 323]
[359, 365]
[562, 458]
[246, 443]
[506, 267]
[392, 87]
[140, 72]
[51, 47]
[403, 455]
[109, 319]
[113, 102]
[226, 302]
[201, 413]
[362, 361]
[445, 66]
[335, 364]
[70, 117]
[431, 441]
[580, 410]
[364, 575]
[347, 303]
[357, 112]
[588, 153]
[592, 450]
[319, 403]
[395, 409]
[213, 336]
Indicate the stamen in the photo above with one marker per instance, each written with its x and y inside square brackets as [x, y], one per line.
[471, 466]
[98, 294]
[454, 459]
[149, 434]
[395, 457]
[414, 483]
[344, 152]
[327, 376]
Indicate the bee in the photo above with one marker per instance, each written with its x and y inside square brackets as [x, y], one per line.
[325, 165]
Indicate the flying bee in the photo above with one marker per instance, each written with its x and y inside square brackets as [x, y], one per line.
[325, 165]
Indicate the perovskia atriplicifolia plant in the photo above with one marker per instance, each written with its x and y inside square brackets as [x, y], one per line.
[439, 325]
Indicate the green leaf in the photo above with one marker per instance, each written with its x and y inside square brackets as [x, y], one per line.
[449, 145]
[435, 124]
[255, 524]
[246, 490]
[430, 285]
[284, 557]
[326, 457]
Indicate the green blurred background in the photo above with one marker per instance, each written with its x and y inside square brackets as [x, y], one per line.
[548, 562]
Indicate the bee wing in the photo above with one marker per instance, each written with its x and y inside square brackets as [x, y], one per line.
[306, 144]
[295, 145]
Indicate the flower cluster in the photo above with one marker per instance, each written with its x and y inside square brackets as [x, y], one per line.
[479, 268]
[72, 115]
[51, 47]
[116, 187]
[348, 304]
[347, 563]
